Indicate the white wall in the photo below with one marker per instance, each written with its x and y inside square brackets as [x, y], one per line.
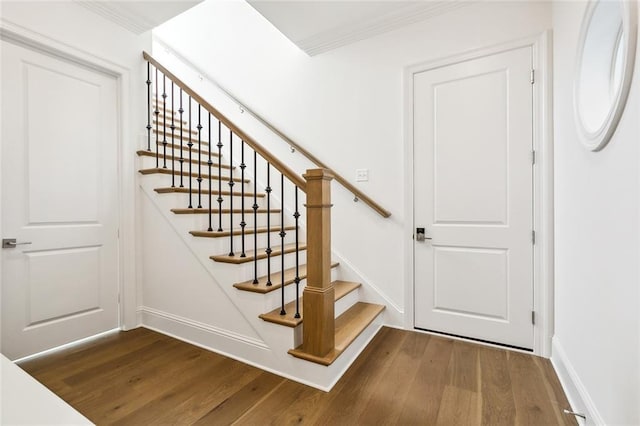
[597, 200]
[345, 106]
[77, 32]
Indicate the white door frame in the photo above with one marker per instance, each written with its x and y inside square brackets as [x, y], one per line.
[127, 278]
[542, 181]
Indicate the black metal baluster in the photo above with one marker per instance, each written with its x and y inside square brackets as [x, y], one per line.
[255, 217]
[296, 215]
[231, 194]
[210, 163]
[199, 158]
[242, 222]
[282, 235]
[148, 106]
[164, 121]
[268, 250]
[173, 140]
[190, 144]
[181, 111]
[157, 114]
[219, 176]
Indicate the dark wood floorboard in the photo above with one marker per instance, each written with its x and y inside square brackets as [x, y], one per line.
[141, 377]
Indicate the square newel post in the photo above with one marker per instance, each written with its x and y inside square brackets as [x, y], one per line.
[318, 300]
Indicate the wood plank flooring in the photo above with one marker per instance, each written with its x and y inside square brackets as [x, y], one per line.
[141, 377]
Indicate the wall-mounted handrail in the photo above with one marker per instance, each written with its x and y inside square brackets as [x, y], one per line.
[337, 177]
[274, 161]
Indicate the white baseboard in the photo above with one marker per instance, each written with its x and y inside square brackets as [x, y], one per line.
[188, 327]
[575, 390]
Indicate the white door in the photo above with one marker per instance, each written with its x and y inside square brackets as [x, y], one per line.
[59, 193]
[473, 180]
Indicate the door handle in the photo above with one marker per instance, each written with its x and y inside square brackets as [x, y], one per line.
[12, 243]
[420, 235]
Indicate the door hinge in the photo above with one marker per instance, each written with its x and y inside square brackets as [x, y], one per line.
[533, 237]
[533, 157]
[533, 76]
[533, 317]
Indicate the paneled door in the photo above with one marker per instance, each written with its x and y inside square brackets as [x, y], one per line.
[473, 200]
[59, 202]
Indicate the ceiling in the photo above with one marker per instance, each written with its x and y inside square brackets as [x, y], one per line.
[317, 26]
[138, 16]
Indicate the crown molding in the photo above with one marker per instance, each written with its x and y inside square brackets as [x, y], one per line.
[119, 15]
[137, 16]
[350, 33]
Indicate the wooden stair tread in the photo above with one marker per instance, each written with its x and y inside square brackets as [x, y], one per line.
[341, 289]
[168, 171]
[348, 327]
[145, 153]
[185, 190]
[247, 231]
[251, 254]
[205, 210]
[289, 278]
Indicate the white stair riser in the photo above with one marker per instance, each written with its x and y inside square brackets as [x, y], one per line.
[221, 245]
[273, 300]
[200, 221]
[245, 270]
[158, 180]
[176, 135]
[146, 162]
[182, 200]
[346, 302]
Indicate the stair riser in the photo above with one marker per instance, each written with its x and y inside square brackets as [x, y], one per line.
[176, 136]
[221, 245]
[158, 180]
[346, 302]
[245, 270]
[273, 299]
[180, 200]
[200, 222]
[150, 162]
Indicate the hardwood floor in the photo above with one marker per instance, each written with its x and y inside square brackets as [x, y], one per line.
[141, 377]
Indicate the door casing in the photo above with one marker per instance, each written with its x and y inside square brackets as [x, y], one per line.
[542, 180]
[127, 278]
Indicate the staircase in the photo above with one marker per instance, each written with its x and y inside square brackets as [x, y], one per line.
[247, 209]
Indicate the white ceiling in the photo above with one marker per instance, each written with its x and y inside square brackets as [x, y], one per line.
[317, 26]
[138, 16]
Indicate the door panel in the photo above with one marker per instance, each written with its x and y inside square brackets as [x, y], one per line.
[473, 182]
[61, 134]
[59, 192]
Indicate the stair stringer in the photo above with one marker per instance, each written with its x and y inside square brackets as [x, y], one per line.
[267, 344]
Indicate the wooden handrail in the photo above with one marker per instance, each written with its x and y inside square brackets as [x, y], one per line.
[274, 161]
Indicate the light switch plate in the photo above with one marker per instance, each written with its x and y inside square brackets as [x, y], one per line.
[362, 175]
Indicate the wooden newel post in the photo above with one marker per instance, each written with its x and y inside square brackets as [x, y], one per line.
[318, 300]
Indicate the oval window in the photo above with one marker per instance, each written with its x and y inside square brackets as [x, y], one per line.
[606, 53]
